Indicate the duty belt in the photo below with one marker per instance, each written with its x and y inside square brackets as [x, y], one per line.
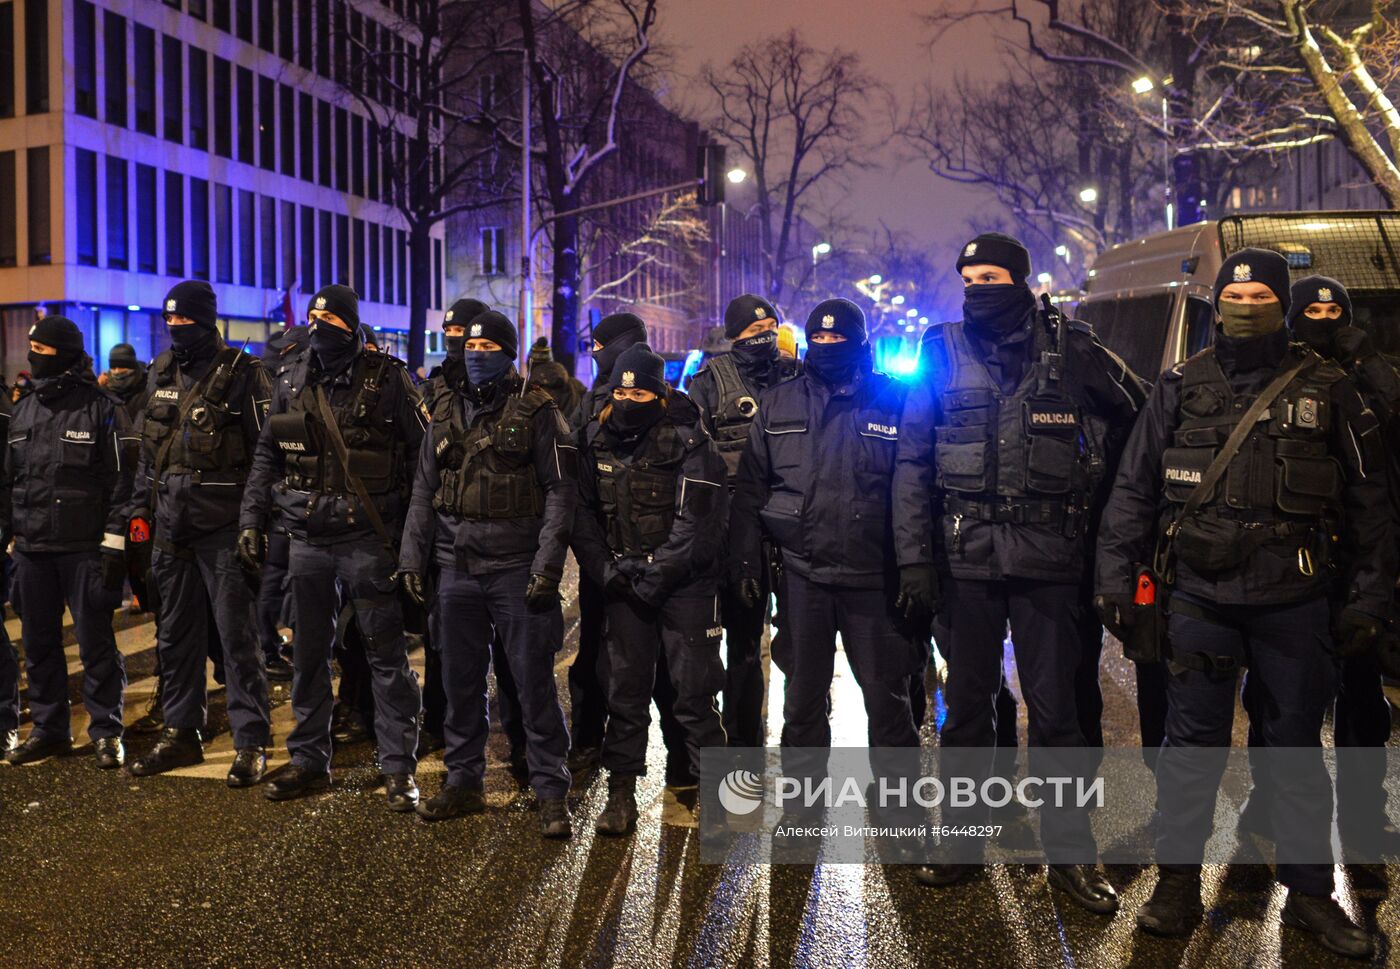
[1014, 511]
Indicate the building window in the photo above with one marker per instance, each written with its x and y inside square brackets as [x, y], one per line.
[199, 228]
[342, 150]
[306, 40]
[199, 99]
[372, 186]
[323, 38]
[117, 257]
[86, 177]
[307, 282]
[372, 273]
[357, 156]
[267, 123]
[287, 97]
[493, 251]
[245, 116]
[84, 58]
[9, 211]
[244, 12]
[372, 45]
[390, 174]
[145, 80]
[40, 253]
[223, 107]
[7, 60]
[358, 259]
[324, 242]
[36, 56]
[401, 255]
[267, 23]
[342, 249]
[308, 139]
[341, 38]
[323, 143]
[289, 244]
[114, 67]
[286, 43]
[174, 224]
[198, 9]
[267, 239]
[247, 246]
[221, 15]
[173, 97]
[223, 233]
[145, 218]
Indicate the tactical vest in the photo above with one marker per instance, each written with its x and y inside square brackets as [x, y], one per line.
[734, 412]
[1024, 457]
[638, 499]
[1283, 473]
[211, 438]
[375, 451]
[487, 470]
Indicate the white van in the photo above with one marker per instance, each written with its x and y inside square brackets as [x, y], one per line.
[1150, 300]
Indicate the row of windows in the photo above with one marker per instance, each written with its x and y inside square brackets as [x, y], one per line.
[255, 119]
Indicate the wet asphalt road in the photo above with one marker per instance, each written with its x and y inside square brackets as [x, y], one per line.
[103, 870]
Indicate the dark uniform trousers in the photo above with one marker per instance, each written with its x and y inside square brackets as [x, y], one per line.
[1047, 636]
[9, 682]
[743, 667]
[1287, 651]
[272, 593]
[363, 569]
[882, 658]
[472, 607]
[587, 695]
[44, 581]
[685, 631]
[194, 580]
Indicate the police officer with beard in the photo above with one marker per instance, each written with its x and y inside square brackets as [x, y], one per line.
[203, 416]
[333, 458]
[650, 531]
[727, 393]
[70, 486]
[1249, 578]
[493, 505]
[1003, 450]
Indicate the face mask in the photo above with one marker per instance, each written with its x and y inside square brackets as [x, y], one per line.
[632, 418]
[187, 341]
[456, 345]
[486, 366]
[757, 351]
[835, 363]
[1240, 321]
[1317, 334]
[334, 347]
[123, 383]
[43, 365]
[998, 309]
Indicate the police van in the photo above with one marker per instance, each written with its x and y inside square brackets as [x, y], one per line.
[1150, 300]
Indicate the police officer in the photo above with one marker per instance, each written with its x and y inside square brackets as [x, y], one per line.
[126, 377]
[814, 480]
[492, 510]
[1003, 450]
[9, 658]
[71, 489]
[203, 417]
[333, 458]
[1249, 577]
[726, 393]
[650, 531]
[563, 387]
[587, 705]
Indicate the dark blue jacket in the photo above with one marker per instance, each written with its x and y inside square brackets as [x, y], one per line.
[485, 545]
[815, 478]
[64, 465]
[328, 519]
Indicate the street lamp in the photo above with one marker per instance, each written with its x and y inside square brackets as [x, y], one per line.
[898, 300]
[876, 279]
[911, 314]
[1089, 195]
[736, 175]
[923, 320]
[1044, 279]
[1062, 252]
[820, 249]
[1145, 85]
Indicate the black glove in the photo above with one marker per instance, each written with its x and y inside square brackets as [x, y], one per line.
[541, 593]
[113, 569]
[252, 548]
[412, 583]
[749, 593]
[918, 592]
[620, 587]
[1355, 632]
[1353, 343]
[1115, 612]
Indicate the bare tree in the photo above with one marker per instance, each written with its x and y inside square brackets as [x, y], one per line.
[798, 117]
[670, 246]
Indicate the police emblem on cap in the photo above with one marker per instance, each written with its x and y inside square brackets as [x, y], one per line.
[448, 316]
[629, 379]
[1243, 273]
[971, 249]
[320, 302]
[760, 312]
[828, 322]
[476, 329]
[170, 306]
[1324, 295]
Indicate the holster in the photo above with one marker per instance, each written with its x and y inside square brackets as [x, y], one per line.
[1145, 638]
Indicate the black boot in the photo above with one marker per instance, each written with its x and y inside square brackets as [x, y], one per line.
[944, 875]
[451, 801]
[554, 818]
[1324, 918]
[177, 747]
[401, 791]
[619, 817]
[153, 721]
[294, 781]
[109, 752]
[1175, 906]
[1086, 885]
[36, 748]
[249, 767]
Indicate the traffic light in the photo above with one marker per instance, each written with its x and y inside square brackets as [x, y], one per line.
[710, 174]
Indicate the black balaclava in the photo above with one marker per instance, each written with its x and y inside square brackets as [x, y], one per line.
[756, 355]
[614, 334]
[996, 311]
[1318, 334]
[485, 367]
[837, 363]
[63, 335]
[637, 367]
[195, 300]
[334, 347]
[460, 314]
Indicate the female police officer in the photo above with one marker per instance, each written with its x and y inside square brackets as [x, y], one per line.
[493, 504]
[650, 529]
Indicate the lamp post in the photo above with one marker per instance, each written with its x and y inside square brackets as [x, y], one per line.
[820, 249]
[1145, 85]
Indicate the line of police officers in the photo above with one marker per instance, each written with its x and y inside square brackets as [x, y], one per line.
[1023, 480]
